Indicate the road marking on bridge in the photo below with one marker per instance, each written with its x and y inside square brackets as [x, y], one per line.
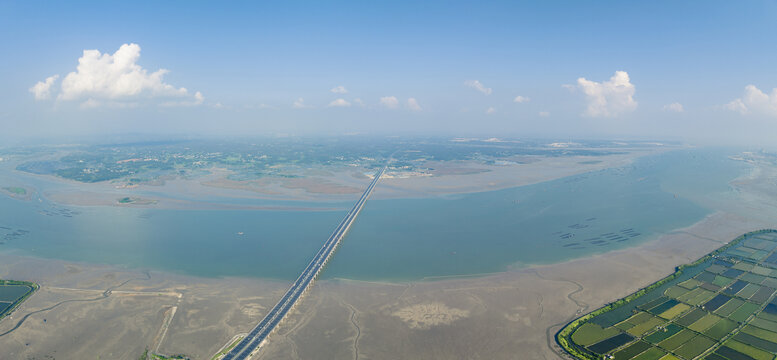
[248, 345]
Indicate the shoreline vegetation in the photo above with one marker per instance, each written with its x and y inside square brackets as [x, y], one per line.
[127, 200]
[564, 336]
[17, 192]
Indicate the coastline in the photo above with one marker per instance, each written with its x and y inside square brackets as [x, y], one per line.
[492, 315]
[564, 287]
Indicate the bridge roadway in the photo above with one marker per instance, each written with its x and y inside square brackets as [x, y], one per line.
[260, 332]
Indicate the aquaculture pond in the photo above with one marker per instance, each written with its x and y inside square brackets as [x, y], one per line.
[720, 307]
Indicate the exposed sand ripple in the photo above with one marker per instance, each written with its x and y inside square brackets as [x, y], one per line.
[426, 316]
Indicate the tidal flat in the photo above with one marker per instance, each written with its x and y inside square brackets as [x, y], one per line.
[393, 239]
[511, 311]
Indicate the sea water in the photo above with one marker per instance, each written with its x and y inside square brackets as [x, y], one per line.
[399, 239]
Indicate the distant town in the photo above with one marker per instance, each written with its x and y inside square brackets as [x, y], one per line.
[141, 162]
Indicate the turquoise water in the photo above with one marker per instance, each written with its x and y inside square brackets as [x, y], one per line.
[274, 244]
[542, 223]
[392, 239]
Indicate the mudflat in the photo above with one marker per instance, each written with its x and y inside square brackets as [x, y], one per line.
[95, 311]
[118, 313]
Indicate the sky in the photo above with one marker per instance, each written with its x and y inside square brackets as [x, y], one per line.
[700, 71]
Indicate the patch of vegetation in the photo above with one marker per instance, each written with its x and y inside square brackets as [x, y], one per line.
[16, 190]
[152, 356]
[227, 349]
[171, 357]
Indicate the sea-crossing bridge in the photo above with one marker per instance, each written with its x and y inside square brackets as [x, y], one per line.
[261, 331]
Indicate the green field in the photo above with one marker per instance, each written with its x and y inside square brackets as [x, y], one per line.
[721, 329]
[678, 340]
[16, 190]
[688, 314]
[749, 350]
[729, 307]
[694, 347]
[592, 333]
[704, 323]
[674, 311]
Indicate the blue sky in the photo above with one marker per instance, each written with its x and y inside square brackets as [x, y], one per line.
[251, 61]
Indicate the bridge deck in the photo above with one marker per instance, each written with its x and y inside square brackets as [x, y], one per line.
[246, 347]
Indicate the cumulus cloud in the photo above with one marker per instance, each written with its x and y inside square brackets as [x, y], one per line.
[390, 102]
[339, 90]
[674, 107]
[521, 99]
[412, 104]
[737, 105]
[118, 80]
[490, 110]
[42, 89]
[300, 104]
[755, 101]
[609, 98]
[544, 113]
[339, 103]
[477, 85]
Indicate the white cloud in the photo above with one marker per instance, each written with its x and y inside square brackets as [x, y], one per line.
[359, 102]
[755, 101]
[300, 104]
[544, 113]
[521, 99]
[737, 105]
[674, 107]
[339, 103]
[390, 102]
[477, 85]
[490, 110]
[609, 98]
[92, 103]
[339, 90]
[42, 89]
[412, 104]
[117, 79]
[198, 99]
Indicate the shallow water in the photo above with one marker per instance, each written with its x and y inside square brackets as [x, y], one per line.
[548, 222]
[392, 239]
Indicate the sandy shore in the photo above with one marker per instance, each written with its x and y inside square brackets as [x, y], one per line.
[491, 317]
[73, 317]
